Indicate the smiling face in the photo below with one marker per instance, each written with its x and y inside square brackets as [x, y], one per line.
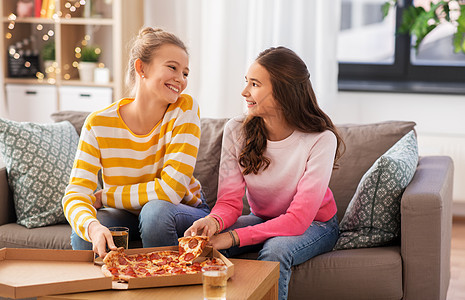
[165, 77]
[258, 93]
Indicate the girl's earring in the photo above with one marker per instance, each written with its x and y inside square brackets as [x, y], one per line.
[143, 76]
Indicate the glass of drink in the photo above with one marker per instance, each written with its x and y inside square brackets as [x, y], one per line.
[214, 279]
[120, 236]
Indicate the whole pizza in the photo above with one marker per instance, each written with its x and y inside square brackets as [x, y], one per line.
[121, 266]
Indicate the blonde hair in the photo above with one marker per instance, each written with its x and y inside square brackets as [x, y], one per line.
[144, 47]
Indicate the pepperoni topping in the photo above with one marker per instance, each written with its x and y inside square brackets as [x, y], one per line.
[159, 272]
[154, 256]
[131, 258]
[147, 274]
[216, 261]
[129, 271]
[196, 267]
[141, 265]
[114, 271]
[122, 260]
[193, 243]
[189, 256]
[176, 270]
[162, 262]
[140, 257]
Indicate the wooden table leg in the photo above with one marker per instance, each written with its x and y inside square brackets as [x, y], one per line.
[272, 293]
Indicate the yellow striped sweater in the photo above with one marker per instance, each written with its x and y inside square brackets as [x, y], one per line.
[135, 168]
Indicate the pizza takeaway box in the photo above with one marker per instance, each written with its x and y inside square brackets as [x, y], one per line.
[38, 272]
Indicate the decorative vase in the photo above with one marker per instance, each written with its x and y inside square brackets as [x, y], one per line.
[86, 71]
[102, 75]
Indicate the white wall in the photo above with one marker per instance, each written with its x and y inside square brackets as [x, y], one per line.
[439, 114]
[439, 118]
[440, 124]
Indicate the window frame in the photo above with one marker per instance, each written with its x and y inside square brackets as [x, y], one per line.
[401, 76]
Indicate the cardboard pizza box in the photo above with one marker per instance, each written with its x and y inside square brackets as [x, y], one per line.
[38, 272]
[182, 279]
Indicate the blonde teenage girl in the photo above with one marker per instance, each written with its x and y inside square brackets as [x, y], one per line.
[146, 148]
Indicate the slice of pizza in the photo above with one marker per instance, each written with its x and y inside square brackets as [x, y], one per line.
[112, 272]
[115, 258]
[190, 247]
[116, 264]
[213, 261]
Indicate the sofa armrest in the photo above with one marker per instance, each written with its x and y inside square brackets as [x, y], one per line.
[426, 218]
[7, 213]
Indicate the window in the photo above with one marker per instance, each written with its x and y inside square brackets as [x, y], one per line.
[373, 57]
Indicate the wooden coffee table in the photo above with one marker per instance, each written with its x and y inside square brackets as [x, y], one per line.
[252, 279]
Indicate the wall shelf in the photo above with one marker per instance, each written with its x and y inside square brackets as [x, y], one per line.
[110, 25]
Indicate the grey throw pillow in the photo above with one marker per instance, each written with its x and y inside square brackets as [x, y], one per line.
[365, 143]
[373, 215]
[38, 159]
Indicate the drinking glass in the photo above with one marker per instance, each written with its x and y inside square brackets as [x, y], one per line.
[214, 280]
[120, 236]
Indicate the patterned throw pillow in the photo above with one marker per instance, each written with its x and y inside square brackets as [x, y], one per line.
[38, 159]
[373, 215]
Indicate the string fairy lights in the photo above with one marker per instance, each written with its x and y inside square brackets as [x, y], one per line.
[70, 8]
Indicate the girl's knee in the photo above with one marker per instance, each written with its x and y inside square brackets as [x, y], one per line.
[275, 249]
[157, 208]
[77, 243]
[156, 214]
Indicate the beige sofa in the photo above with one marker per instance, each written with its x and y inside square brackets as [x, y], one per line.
[415, 267]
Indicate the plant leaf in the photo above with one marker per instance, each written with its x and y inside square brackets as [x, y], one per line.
[446, 10]
[459, 36]
[387, 6]
[409, 18]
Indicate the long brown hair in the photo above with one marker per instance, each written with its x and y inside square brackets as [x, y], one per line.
[293, 92]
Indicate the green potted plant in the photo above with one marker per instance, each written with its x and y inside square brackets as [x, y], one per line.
[90, 56]
[419, 22]
[48, 58]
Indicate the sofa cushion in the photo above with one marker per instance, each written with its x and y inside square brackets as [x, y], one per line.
[362, 274]
[38, 159]
[208, 160]
[77, 118]
[48, 237]
[365, 143]
[373, 215]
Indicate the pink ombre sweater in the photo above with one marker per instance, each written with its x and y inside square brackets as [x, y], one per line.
[290, 194]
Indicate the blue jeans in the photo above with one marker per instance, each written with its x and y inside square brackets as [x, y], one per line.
[320, 237]
[159, 223]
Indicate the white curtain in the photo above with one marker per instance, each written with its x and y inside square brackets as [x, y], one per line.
[2, 93]
[225, 36]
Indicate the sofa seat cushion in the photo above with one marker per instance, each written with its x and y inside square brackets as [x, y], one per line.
[48, 237]
[366, 273]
